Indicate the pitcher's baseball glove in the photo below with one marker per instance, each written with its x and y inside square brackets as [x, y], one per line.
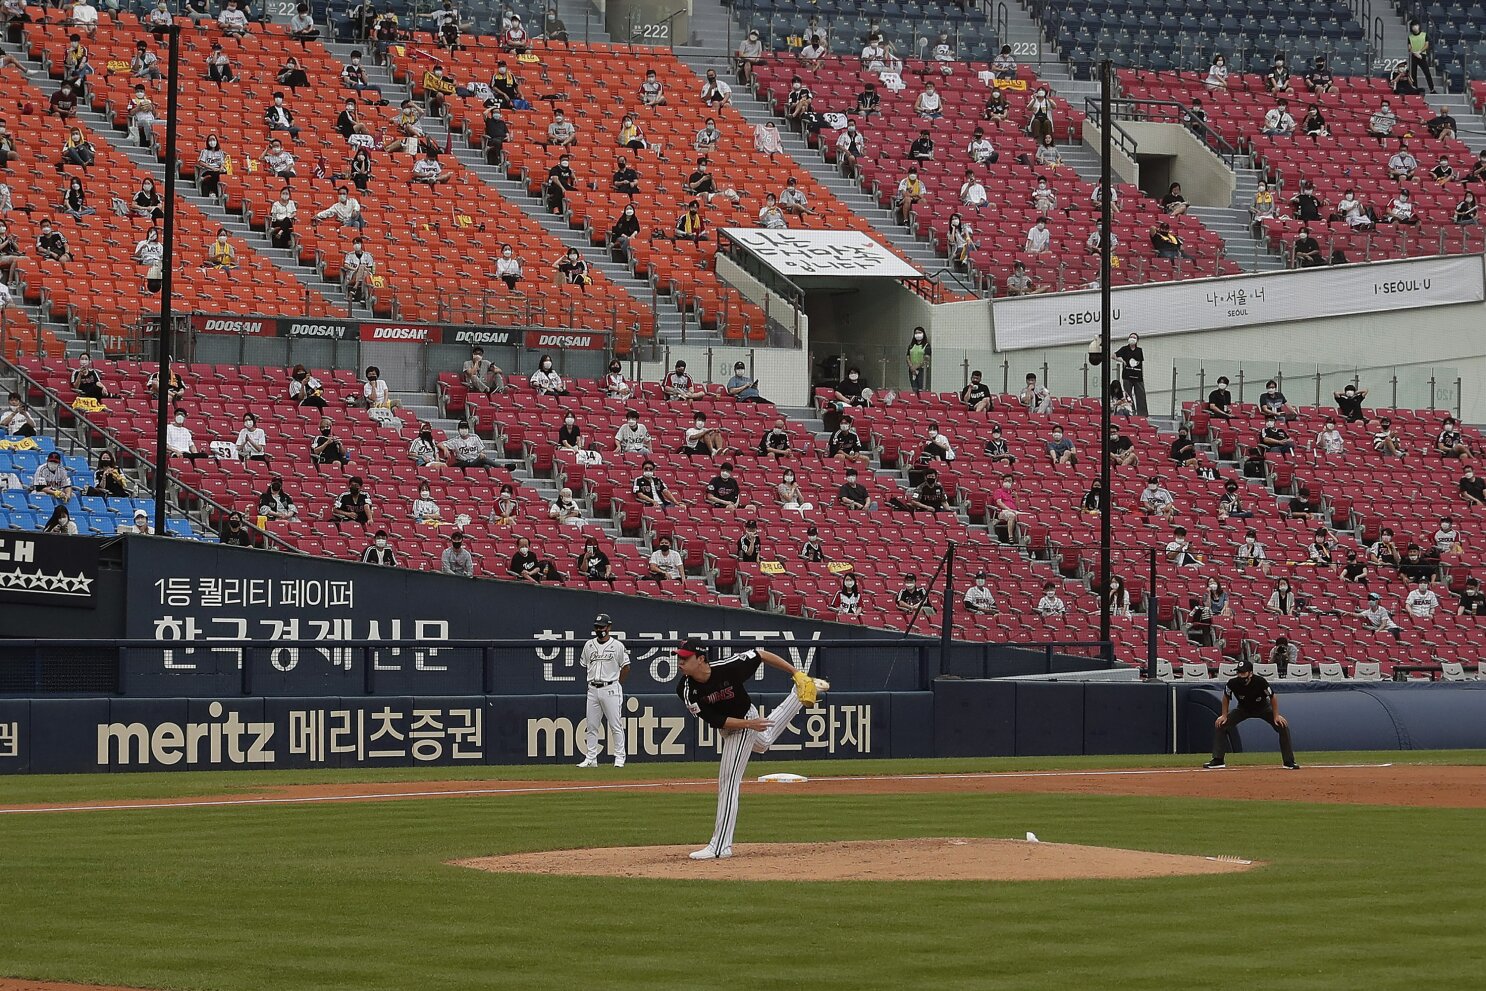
[805, 687]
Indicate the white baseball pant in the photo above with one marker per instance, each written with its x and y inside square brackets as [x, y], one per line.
[605, 705]
[737, 747]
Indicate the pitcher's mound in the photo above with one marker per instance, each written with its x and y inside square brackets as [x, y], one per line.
[936, 859]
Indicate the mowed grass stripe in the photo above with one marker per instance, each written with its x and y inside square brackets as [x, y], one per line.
[78, 789]
[357, 897]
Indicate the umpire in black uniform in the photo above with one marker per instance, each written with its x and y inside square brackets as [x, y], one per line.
[1256, 700]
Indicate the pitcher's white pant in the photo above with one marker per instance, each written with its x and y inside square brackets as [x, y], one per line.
[605, 703]
[737, 747]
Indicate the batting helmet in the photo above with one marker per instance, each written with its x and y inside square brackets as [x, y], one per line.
[692, 646]
[602, 619]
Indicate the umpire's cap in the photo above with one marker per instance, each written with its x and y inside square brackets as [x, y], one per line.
[692, 647]
[601, 620]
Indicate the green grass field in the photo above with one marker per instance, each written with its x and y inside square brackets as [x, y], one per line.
[356, 896]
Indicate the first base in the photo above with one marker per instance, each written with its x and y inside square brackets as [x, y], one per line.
[783, 777]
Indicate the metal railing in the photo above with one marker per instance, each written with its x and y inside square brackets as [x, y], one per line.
[1172, 112]
[1122, 138]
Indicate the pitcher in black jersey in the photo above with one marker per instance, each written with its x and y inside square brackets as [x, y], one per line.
[717, 693]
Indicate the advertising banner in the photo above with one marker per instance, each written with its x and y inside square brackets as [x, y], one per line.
[48, 569]
[805, 252]
[1240, 301]
[100, 734]
[208, 599]
[565, 340]
[375, 330]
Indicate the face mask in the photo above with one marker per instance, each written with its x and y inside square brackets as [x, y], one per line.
[649, 472]
[665, 548]
[569, 421]
[464, 431]
[381, 542]
[727, 474]
[180, 419]
[980, 583]
[426, 435]
[853, 376]
[546, 366]
[789, 478]
[506, 253]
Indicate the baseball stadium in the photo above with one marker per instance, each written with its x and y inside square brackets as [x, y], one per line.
[813, 493]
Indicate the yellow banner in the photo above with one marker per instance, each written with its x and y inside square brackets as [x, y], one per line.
[839, 567]
[1017, 85]
[24, 444]
[87, 404]
[531, 58]
[771, 567]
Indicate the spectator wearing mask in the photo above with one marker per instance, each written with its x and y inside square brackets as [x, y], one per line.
[930, 495]
[845, 444]
[1354, 571]
[1329, 441]
[17, 420]
[1448, 541]
[976, 396]
[1220, 400]
[1350, 403]
[776, 443]
[1385, 552]
[508, 267]
[325, 447]
[847, 601]
[1093, 501]
[1051, 606]
[632, 437]
[1060, 448]
[53, 479]
[1472, 599]
[649, 489]
[1466, 210]
[465, 450]
[275, 503]
[743, 387]
[666, 564]
[456, 559]
[425, 507]
[479, 374]
[179, 443]
[1472, 489]
[1278, 122]
[1275, 439]
[748, 543]
[1179, 549]
[812, 550]
[1273, 404]
[704, 439]
[1422, 602]
[1132, 372]
[141, 524]
[60, 522]
[234, 533]
[789, 495]
[723, 491]
[1156, 500]
[593, 564]
[1039, 239]
[305, 389]
[1004, 506]
[1282, 600]
[252, 441]
[1183, 452]
[852, 494]
[679, 386]
[1381, 124]
[379, 551]
[1251, 553]
[1376, 618]
[423, 451]
[1307, 250]
[570, 435]
[937, 447]
[1451, 442]
[546, 380]
[1230, 506]
[978, 597]
[912, 597]
[565, 509]
[354, 505]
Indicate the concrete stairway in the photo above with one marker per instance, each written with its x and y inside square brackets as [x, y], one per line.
[1232, 224]
[670, 322]
[1031, 49]
[812, 161]
[147, 160]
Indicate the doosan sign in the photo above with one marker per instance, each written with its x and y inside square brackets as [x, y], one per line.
[408, 333]
[566, 341]
[262, 327]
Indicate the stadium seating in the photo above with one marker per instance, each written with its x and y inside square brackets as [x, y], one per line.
[22, 509]
[1001, 227]
[419, 237]
[103, 291]
[1347, 159]
[1177, 34]
[599, 85]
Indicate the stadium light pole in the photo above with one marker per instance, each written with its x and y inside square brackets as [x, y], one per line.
[166, 336]
[1106, 220]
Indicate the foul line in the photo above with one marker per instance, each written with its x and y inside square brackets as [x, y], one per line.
[626, 786]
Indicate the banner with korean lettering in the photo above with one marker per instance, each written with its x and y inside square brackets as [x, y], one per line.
[48, 569]
[56, 736]
[796, 253]
[202, 601]
[1240, 301]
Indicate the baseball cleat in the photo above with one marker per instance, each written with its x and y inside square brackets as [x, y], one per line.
[1292, 766]
[1214, 765]
[619, 762]
[707, 853]
[588, 762]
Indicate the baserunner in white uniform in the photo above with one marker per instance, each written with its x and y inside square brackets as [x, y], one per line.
[606, 661]
[717, 693]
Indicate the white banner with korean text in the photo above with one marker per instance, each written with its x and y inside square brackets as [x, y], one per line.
[804, 252]
[1240, 301]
